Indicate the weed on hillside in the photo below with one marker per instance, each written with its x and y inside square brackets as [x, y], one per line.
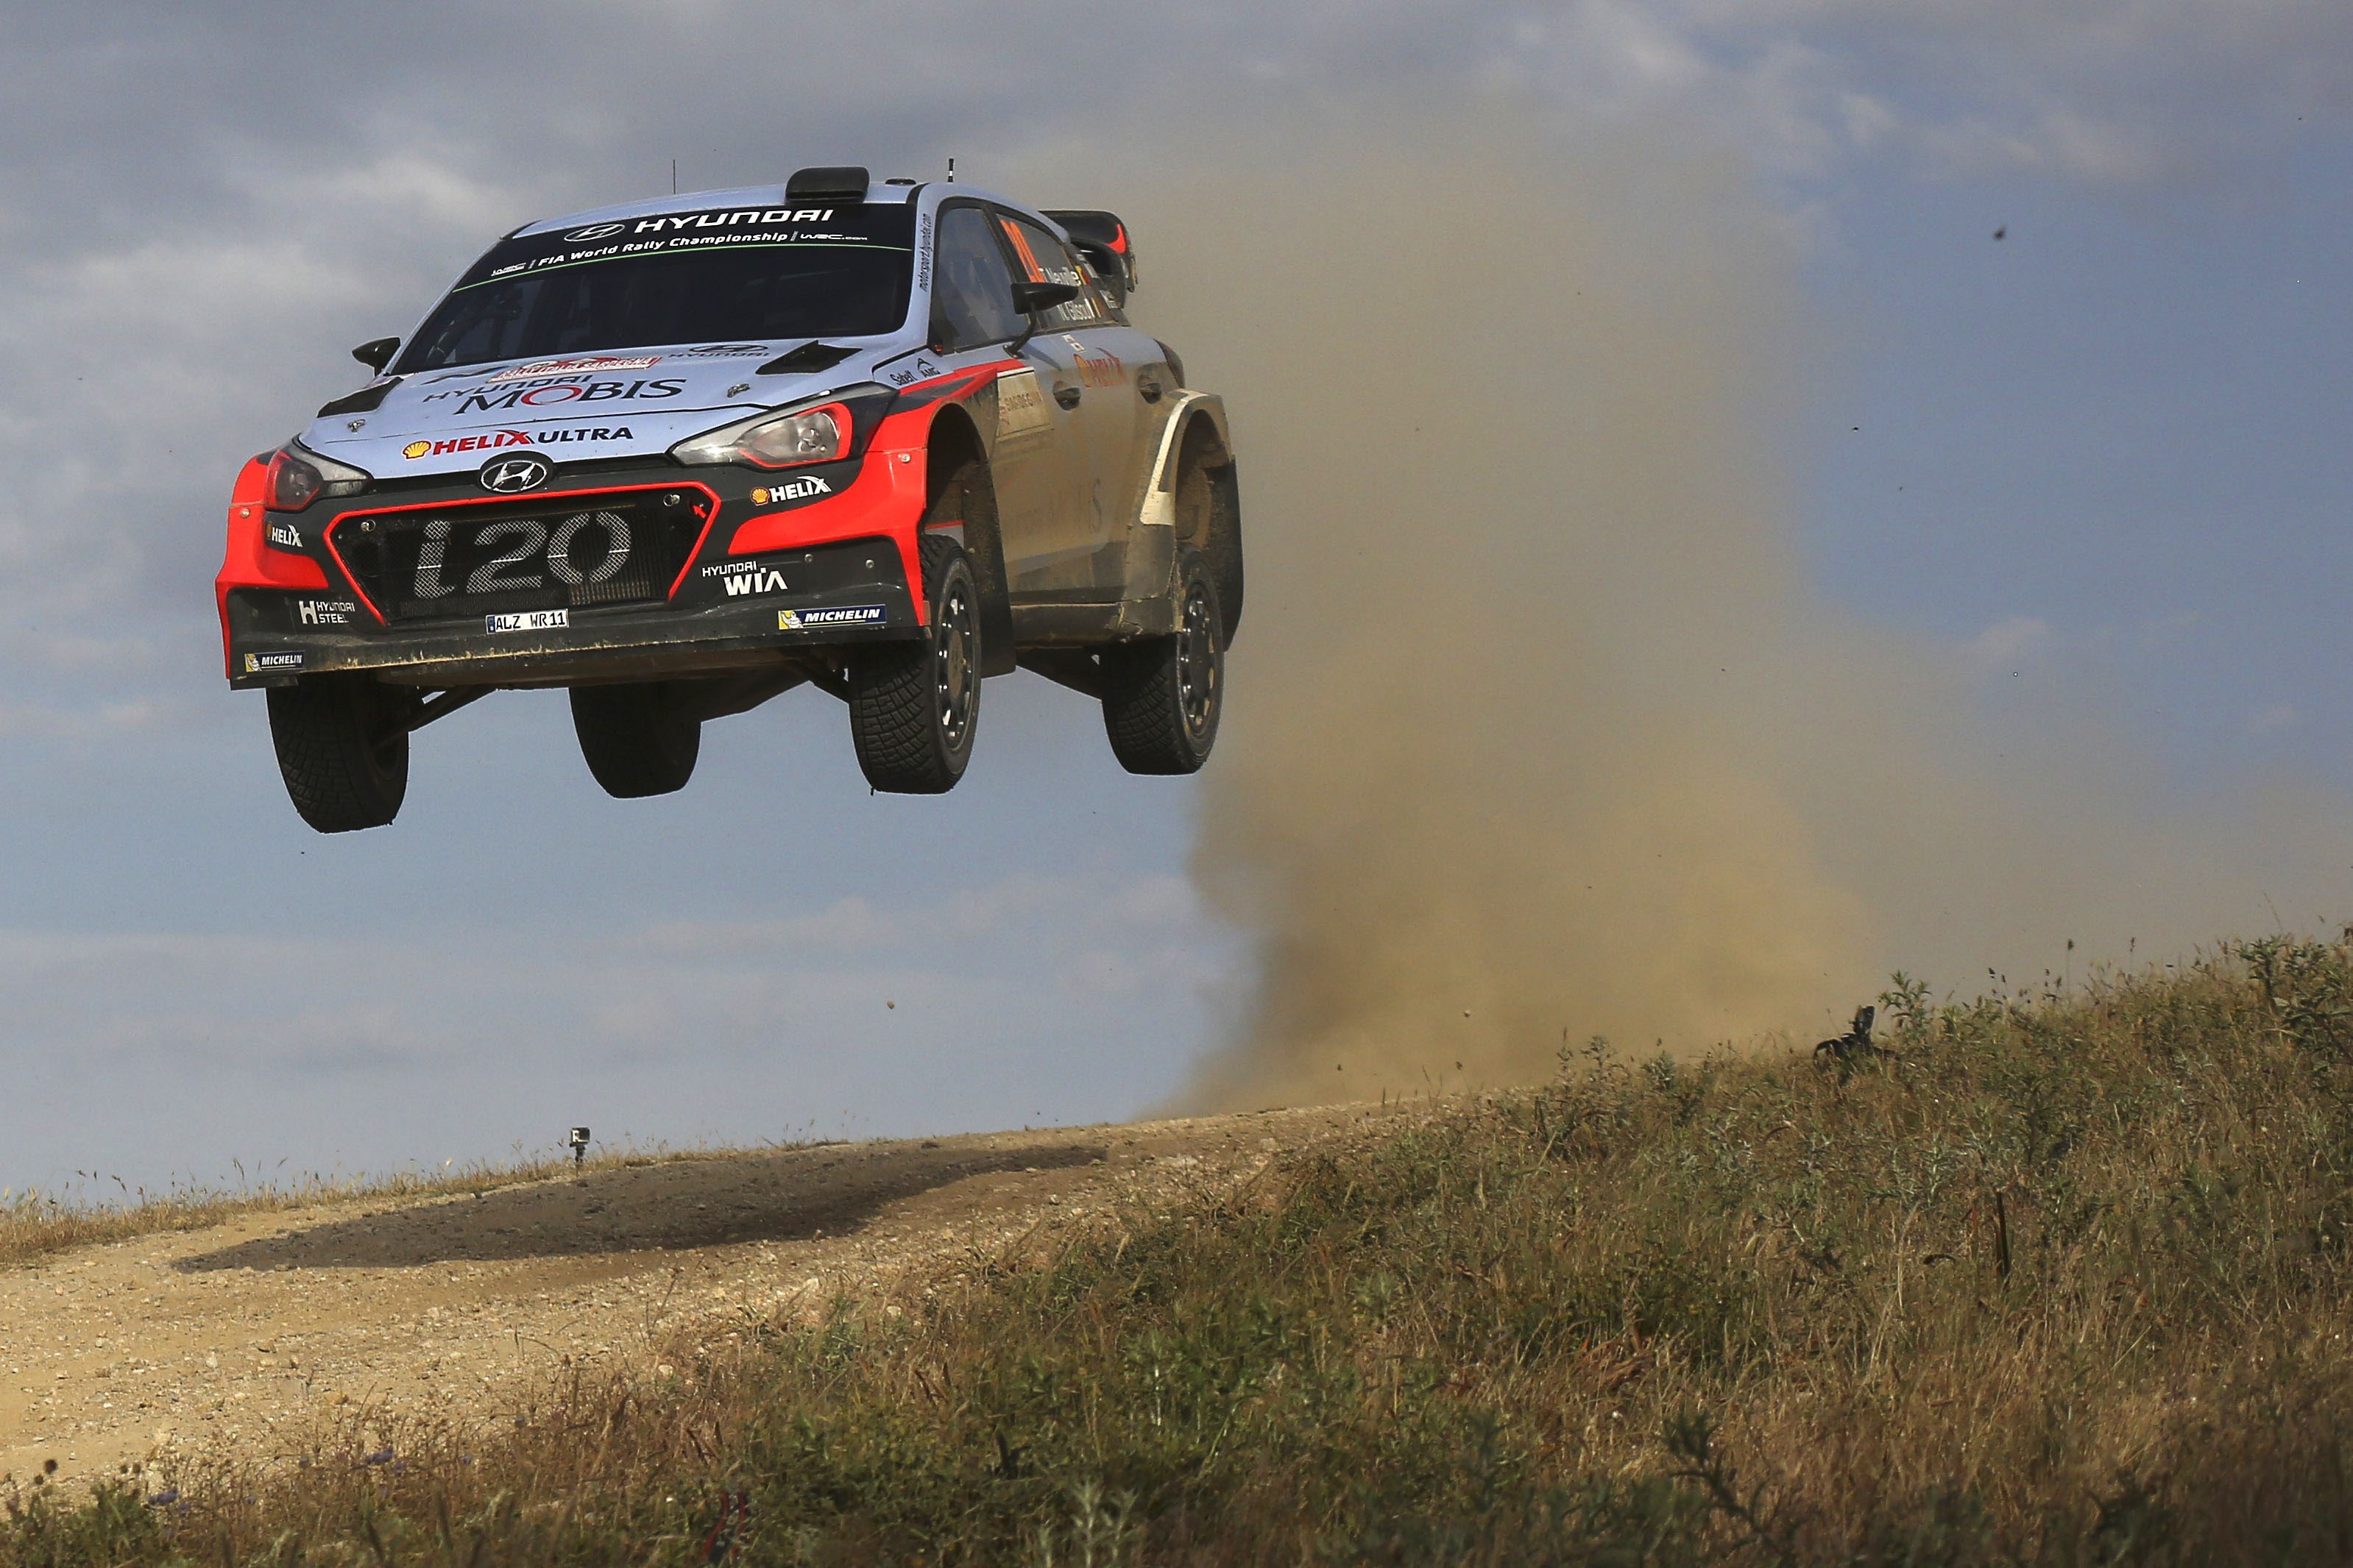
[2063, 1279]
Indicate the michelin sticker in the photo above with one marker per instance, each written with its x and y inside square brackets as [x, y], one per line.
[263, 663]
[834, 616]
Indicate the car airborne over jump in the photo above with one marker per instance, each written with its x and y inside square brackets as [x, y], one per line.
[684, 455]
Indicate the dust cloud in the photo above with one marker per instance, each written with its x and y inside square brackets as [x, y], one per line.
[1537, 730]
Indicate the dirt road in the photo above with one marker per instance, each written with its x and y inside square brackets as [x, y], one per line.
[256, 1332]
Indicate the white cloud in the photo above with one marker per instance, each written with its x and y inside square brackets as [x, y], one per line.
[2007, 645]
[847, 925]
[2102, 91]
[187, 249]
[179, 283]
[31, 719]
[2272, 718]
[368, 1051]
[658, 989]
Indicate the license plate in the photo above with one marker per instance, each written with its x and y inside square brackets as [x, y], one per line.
[528, 621]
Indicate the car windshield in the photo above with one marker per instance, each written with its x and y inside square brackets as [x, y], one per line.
[721, 274]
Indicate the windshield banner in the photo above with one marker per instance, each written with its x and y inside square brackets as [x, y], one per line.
[881, 226]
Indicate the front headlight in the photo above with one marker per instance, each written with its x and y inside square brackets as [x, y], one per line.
[298, 476]
[817, 435]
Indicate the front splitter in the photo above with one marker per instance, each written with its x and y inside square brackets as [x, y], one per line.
[596, 645]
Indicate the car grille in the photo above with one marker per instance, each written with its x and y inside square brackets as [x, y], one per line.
[539, 553]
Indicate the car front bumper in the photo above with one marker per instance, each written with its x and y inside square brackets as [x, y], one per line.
[846, 593]
[766, 580]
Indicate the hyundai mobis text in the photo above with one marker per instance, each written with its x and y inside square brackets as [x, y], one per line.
[683, 456]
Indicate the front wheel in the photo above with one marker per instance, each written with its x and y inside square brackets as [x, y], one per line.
[638, 740]
[914, 706]
[1163, 696]
[342, 748]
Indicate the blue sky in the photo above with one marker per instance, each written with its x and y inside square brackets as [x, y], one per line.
[2109, 449]
[2099, 468]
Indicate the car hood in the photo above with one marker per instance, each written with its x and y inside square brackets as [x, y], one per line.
[634, 402]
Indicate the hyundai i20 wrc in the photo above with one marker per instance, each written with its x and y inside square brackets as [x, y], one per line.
[678, 457]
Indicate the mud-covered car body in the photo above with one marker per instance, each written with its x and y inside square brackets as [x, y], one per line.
[520, 499]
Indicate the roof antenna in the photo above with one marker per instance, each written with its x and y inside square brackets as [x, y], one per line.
[951, 171]
[673, 176]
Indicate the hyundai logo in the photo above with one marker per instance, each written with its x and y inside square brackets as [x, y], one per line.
[593, 231]
[510, 475]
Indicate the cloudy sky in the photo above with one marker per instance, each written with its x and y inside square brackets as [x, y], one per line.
[2100, 463]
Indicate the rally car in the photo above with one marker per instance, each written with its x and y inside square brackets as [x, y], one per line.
[680, 456]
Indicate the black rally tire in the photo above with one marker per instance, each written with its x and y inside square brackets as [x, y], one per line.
[967, 497]
[914, 706]
[1209, 518]
[1163, 696]
[343, 749]
[636, 739]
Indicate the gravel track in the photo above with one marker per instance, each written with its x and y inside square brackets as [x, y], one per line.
[254, 1335]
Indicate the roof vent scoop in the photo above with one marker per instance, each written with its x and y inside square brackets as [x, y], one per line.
[836, 181]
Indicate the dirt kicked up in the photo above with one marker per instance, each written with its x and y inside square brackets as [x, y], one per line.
[254, 1335]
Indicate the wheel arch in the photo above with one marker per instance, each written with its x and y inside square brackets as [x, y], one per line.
[1199, 433]
[1200, 417]
[953, 441]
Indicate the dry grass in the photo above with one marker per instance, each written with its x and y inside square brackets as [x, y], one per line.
[2065, 1283]
[34, 1224]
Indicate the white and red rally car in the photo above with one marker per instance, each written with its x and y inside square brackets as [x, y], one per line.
[684, 455]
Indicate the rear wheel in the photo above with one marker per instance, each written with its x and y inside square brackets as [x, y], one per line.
[914, 706]
[342, 748]
[638, 740]
[1163, 696]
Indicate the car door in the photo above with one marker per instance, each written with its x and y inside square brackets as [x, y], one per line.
[1102, 379]
[1039, 462]
[1124, 434]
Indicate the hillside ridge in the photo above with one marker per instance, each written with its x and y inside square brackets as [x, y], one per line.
[253, 1333]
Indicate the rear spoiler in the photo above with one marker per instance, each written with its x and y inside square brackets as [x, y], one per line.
[1103, 240]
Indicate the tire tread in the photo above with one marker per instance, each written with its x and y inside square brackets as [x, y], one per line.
[890, 719]
[622, 739]
[1143, 704]
[320, 731]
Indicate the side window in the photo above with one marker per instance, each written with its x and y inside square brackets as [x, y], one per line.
[972, 297]
[1110, 294]
[1043, 259]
